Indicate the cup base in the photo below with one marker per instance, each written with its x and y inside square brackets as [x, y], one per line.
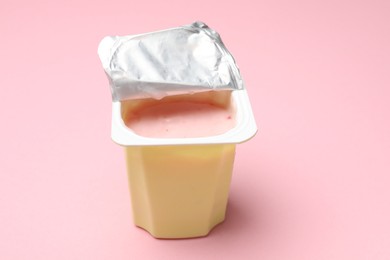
[179, 191]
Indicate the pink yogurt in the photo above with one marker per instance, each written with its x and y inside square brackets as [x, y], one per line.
[180, 119]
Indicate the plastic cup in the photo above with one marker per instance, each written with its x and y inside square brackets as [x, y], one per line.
[179, 186]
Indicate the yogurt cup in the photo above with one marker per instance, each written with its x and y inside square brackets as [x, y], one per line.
[179, 186]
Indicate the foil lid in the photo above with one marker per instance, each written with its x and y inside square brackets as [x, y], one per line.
[186, 59]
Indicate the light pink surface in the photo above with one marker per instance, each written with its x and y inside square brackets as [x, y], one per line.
[313, 184]
[181, 119]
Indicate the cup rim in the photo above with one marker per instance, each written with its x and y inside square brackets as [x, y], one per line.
[244, 130]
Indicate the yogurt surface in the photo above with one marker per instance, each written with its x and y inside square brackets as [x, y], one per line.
[180, 119]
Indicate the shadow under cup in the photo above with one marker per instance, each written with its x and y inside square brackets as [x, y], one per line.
[179, 186]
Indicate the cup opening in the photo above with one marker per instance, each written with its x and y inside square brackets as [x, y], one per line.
[219, 104]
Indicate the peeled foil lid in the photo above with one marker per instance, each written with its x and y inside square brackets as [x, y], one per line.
[181, 60]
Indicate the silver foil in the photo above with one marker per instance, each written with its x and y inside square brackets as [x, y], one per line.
[187, 59]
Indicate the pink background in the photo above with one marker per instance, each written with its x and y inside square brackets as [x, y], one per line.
[313, 184]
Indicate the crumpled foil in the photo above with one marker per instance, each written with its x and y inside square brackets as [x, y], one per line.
[186, 59]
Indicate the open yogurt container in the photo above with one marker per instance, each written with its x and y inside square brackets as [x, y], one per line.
[179, 186]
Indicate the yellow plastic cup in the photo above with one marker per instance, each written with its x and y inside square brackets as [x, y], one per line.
[179, 186]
